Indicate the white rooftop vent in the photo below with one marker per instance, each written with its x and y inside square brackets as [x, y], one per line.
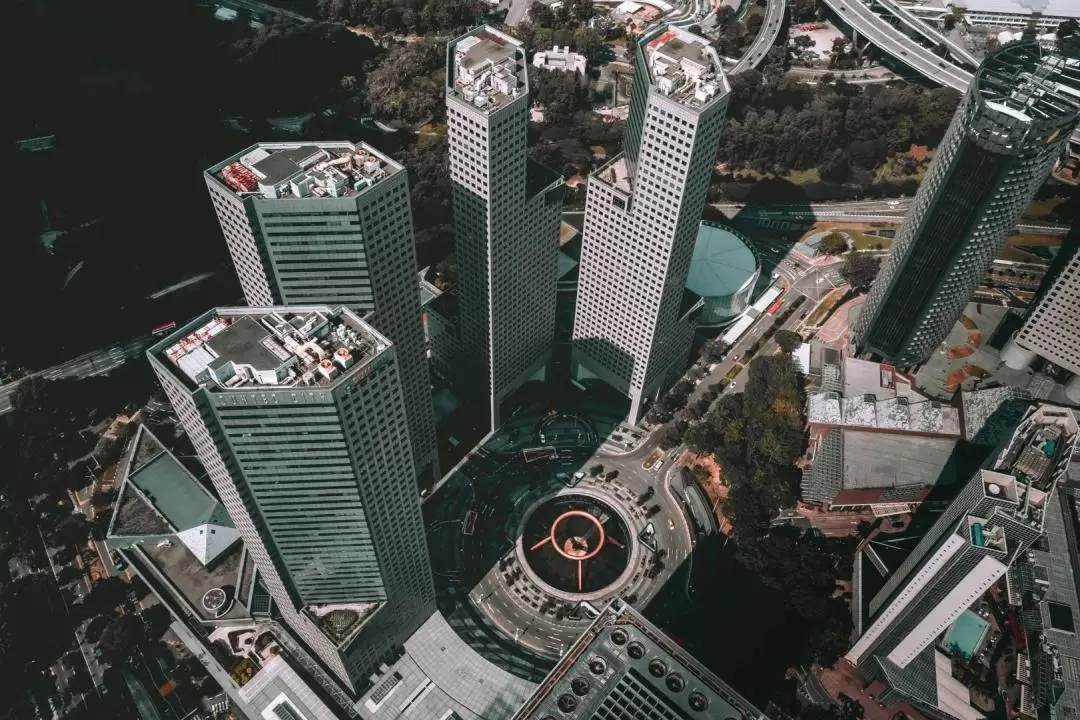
[993, 489]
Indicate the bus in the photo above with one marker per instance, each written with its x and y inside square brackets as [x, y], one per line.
[775, 306]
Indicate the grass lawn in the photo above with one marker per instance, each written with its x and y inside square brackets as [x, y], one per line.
[795, 177]
[862, 241]
[1040, 209]
[1012, 253]
[822, 310]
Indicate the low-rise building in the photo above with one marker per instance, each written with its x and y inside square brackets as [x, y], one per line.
[560, 58]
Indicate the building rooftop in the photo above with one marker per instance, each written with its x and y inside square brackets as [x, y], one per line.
[1058, 607]
[192, 580]
[440, 677]
[159, 497]
[233, 349]
[341, 622]
[623, 666]
[1055, 8]
[683, 66]
[486, 68]
[898, 413]
[900, 467]
[281, 694]
[1030, 83]
[723, 262]
[616, 173]
[301, 170]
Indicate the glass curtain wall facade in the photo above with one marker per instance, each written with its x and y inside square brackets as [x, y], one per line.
[301, 231]
[315, 469]
[1011, 127]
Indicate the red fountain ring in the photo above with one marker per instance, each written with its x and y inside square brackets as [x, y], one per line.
[574, 547]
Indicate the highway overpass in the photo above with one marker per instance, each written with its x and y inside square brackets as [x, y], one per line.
[895, 43]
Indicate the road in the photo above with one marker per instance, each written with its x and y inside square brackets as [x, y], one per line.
[770, 29]
[84, 366]
[912, 53]
[858, 211]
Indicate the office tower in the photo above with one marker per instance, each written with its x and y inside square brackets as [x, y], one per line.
[329, 223]
[298, 416]
[634, 322]
[623, 666]
[1052, 328]
[506, 218]
[993, 522]
[1010, 127]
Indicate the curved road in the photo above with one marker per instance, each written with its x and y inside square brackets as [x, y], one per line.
[770, 30]
[912, 53]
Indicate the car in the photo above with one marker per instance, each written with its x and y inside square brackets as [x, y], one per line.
[941, 64]
[735, 358]
[903, 52]
[579, 475]
[670, 524]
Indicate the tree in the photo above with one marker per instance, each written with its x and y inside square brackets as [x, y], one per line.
[860, 269]
[106, 595]
[288, 67]
[428, 163]
[787, 340]
[407, 85]
[596, 470]
[560, 93]
[803, 42]
[33, 627]
[949, 22]
[836, 167]
[73, 530]
[834, 243]
[122, 635]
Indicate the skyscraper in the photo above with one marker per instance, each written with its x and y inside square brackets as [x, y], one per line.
[634, 322]
[330, 223]
[994, 520]
[1052, 328]
[1010, 127]
[623, 666]
[298, 416]
[506, 218]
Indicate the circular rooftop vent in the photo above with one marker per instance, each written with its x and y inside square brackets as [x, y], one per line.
[567, 703]
[597, 666]
[636, 650]
[675, 682]
[580, 686]
[214, 600]
[619, 636]
[697, 701]
[993, 488]
[657, 668]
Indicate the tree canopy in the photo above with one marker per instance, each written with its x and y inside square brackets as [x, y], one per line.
[787, 340]
[34, 631]
[408, 84]
[777, 123]
[404, 16]
[860, 269]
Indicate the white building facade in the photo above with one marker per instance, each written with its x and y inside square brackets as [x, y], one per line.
[634, 322]
[1052, 329]
[506, 219]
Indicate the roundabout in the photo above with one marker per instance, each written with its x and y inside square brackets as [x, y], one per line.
[575, 546]
[528, 538]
